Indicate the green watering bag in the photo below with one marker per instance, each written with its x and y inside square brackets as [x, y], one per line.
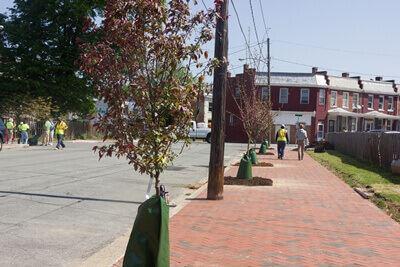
[149, 241]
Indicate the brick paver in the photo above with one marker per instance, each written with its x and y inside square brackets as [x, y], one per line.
[309, 217]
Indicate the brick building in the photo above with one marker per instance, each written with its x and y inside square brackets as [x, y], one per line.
[322, 102]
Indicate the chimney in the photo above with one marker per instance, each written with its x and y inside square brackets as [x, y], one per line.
[378, 78]
[345, 75]
[228, 74]
[245, 66]
[314, 70]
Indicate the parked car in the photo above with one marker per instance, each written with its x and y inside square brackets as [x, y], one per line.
[200, 131]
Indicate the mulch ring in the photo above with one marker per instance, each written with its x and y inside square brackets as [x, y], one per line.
[256, 181]
[266, 154]
[259, 164]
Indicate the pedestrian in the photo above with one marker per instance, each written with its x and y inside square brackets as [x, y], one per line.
[46, 133]
[10, 130]
[60, 132]
[23, 129]
[282, 138]
[301, 140]
[52, 128]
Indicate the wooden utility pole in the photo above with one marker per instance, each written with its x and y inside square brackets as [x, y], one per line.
[216, 167]
[269, 84]
[269, 70]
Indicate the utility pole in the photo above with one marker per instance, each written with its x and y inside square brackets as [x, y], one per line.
[216, 167]
[269, 70]
[269, 83]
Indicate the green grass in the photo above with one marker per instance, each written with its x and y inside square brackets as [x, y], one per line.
[361, 174]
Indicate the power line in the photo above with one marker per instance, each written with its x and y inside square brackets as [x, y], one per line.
[331, 69]
[263, 18]
[241, 29]
[255, 30]
[335, 49]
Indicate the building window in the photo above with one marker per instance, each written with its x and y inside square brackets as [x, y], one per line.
[371, 101]
[264, 93]
[389, 125]
[381, 103]
[237, 91]
[321, 97]
[331, 126]
[320, 131]
[369, 125]
[390, 103]
[210, 106]
[231, 119]
[356, 101]
[346, 100]
[333, 98]
[353, 124]
[304, 96]
[283, 95]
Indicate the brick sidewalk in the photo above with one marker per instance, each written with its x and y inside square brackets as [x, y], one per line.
[308, 218]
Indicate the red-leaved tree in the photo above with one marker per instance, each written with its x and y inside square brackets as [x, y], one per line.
[142, 65]
[254, 112]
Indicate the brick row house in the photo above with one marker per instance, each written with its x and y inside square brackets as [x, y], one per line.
[324, 103]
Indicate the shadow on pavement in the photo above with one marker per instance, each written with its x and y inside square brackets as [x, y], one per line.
[70, 197]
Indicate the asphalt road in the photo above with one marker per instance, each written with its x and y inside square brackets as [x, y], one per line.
[60, 207]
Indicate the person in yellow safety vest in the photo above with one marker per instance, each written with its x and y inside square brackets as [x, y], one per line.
[282, 138]
[10, 130]
[60, 132]
[23, 129]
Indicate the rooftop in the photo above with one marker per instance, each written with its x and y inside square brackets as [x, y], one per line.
[291, 79]
[378, 87]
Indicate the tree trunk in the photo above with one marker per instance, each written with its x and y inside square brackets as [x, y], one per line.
[157, 183]
[248, 146]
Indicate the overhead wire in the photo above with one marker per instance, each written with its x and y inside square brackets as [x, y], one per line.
[241, 29]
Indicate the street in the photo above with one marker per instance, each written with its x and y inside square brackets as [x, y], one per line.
[58, 208]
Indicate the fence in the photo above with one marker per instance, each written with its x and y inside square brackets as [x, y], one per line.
[376, 148]
[76, 130]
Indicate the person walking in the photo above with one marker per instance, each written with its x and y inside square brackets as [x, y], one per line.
[301, 140]
[46, 133]
[10, 130]
[52, 129]
[23, 129]
[60, 132]
[282, 138]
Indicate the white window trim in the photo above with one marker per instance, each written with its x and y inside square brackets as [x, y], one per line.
[323, 97]
[323, 130]
[264, 93]
[231, 119]
[357, 104]
[331, 104]
[308, 95]
[280, 95]
[392, 104]
[370, 108]
[348, 98]
[383, 103]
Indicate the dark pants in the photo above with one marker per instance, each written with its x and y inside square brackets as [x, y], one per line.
[60, 142]
[281, 148]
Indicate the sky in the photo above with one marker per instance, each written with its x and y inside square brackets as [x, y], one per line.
[361, 37]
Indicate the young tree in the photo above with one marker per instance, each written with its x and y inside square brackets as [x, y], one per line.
[141, 68]
[254, 112]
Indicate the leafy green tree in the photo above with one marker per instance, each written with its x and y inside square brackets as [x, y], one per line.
[39, 52]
